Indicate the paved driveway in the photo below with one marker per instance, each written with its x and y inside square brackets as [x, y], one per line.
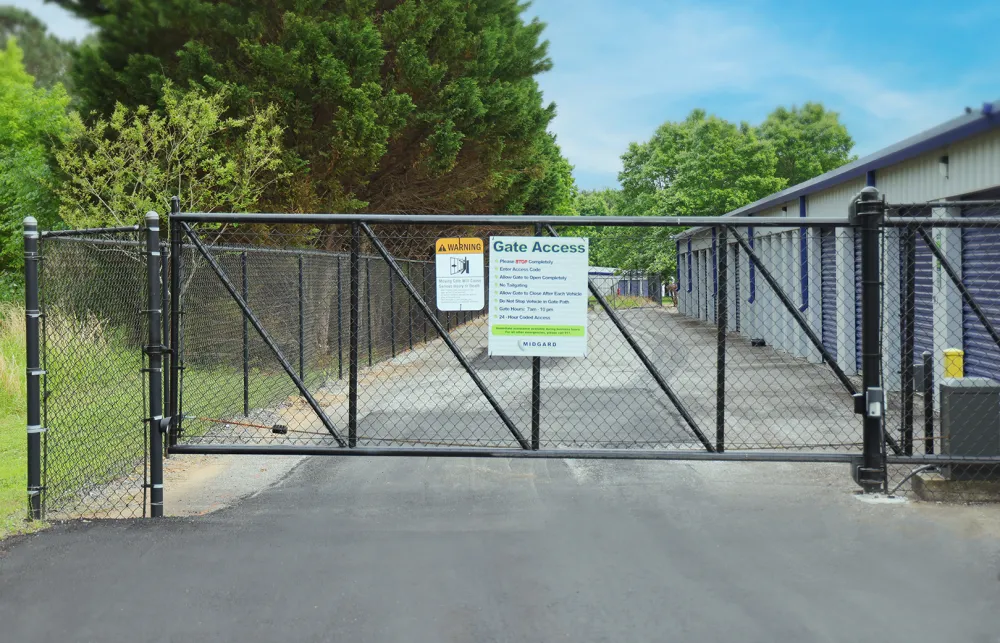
[371, 550]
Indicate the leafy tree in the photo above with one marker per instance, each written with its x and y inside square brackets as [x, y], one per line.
[807, 141]
[701, 166]
[46, 57]
[118, 169]
[387, 105]
[32, 120]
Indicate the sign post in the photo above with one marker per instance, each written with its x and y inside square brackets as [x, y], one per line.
[538, 296]
[459, 271]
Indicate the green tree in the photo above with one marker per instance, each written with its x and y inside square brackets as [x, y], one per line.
[387, 105]
[701, 166]
[32, 121]
[46, 57]
[807, 141]
[118, 169]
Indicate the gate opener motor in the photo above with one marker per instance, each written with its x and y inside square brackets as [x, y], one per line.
[871, 403]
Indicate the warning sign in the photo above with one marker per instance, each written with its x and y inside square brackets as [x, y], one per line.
[460, 275]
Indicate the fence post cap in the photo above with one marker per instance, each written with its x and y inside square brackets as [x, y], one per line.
[30, 222]
[152, 219]
[869, 193]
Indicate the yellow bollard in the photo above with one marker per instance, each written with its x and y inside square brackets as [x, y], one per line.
[954, 362]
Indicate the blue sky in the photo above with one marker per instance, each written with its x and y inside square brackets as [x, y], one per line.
[891, 68]
[622, 67]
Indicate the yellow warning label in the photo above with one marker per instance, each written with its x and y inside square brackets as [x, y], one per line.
[459, 246]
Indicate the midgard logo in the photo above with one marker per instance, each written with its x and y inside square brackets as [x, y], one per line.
[525, 344]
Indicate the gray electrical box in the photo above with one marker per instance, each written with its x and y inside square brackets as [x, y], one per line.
[970, 424]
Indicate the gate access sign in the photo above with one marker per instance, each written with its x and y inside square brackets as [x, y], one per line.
[459, 271]
[538, 296]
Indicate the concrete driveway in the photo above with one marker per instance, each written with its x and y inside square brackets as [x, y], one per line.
[419, 550]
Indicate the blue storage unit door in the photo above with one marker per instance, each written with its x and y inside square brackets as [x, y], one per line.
[736, 286]
[981, 274]
[857, 299]
[828, 288]
[923, 311]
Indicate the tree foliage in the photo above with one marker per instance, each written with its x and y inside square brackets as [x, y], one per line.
[32, 121]
[118, 169]
[46, 57]
[701, 166]
[808, 141]
[386, 105]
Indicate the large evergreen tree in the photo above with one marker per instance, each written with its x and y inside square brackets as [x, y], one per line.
[387, 105]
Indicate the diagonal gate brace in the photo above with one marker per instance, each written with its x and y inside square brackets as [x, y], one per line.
[676, 401]
[394, 267]
[955, 279]
[248, 314]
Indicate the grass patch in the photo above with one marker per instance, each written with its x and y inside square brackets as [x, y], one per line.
[13, 441]
[620, 302]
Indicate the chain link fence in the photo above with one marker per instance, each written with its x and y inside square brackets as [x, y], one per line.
[329, 338]
[941, 346]
[94, 454]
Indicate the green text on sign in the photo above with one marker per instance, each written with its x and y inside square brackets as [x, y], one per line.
[523, 330]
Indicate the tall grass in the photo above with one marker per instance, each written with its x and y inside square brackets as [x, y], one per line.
[13, 474]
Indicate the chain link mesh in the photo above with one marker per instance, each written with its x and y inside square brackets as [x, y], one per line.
[941, 347]
[93, 292]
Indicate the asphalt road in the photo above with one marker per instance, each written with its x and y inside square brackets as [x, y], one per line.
[418, 550]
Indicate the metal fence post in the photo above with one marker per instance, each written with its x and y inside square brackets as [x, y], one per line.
[176, 263]
[34, 368]
[928, 388]
[340, 326]
[409, 307]
[908, 241]
[392, 315]
[352, 396]
[871, 212]
[246, 335]
[722, 323]
[536, 387]
[155, 351]
[302, 325]
[368, 303]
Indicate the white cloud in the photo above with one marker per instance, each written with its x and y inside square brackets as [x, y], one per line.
[620, 71]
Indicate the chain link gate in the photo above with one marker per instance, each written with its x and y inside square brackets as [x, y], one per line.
[320, 335]
[332, 344]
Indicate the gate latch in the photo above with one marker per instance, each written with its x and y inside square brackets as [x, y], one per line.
[871, 403]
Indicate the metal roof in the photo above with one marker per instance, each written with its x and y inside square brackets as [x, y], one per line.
[957, 129]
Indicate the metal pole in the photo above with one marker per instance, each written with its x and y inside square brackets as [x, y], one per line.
[340, 326]
[409, 309]
[246, 335]
[302, 325]
[34, 368]
[155, 351]
[871, 210]
[928, 387]
[176, 264]
[392, 315]
[456, 351]
[352, 396]
[368, 305]
[165, 331]
[536, 387]
[907, 240]
[722, 326]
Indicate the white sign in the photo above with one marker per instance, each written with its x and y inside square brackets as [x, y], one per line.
[459, 268]
[538, 296]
